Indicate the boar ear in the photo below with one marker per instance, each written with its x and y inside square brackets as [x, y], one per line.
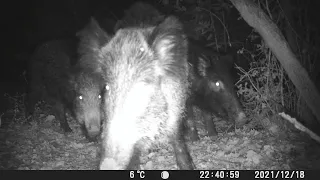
[169, 44]
[72, 80]
[202, 65]
[92, 37]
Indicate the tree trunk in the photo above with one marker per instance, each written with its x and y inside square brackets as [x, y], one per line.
[273, 37]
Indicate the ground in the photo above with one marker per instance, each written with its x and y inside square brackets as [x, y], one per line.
[43, 146]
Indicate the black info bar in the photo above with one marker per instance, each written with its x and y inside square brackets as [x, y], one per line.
[162, 174]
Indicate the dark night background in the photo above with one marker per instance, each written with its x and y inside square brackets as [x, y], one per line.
[27, 24]
[30, 23]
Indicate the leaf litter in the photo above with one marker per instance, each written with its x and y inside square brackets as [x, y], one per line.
[44, 146]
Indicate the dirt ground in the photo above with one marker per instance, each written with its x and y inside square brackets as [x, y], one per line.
[43, 146]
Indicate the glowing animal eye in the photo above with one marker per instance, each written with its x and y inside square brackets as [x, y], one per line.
[141, 49]
[99, 96]
[80, 97]
[217, 83]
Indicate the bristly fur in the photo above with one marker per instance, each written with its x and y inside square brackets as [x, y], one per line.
[146, 70]
[92, 38]
[165, 45]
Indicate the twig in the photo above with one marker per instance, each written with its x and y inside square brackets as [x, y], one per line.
[300, 126]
